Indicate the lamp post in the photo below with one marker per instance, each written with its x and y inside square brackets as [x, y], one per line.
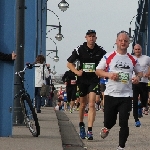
[63, 5]
[56, 58]
[59, 36]
[53, 71]
[114, 45]
[18, 118]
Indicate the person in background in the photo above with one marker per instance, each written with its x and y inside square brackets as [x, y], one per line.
[60, 97]
[98, 98]
[41, 72]
[65, 100]
[77, 101]
[69, 78]
[141, 89]
[52, 89]
[103, 82]
[8, 57]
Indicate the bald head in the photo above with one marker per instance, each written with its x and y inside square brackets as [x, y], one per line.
[122, 41]
[137, 50]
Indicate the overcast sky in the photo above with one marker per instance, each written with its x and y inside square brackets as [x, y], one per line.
[106, 17]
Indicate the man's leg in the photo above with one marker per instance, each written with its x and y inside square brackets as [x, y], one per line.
[83, 101]
[144, 97]
[92, 90]
[73, 96]
[124, 113]
[135, 105]
[68, 90]
[92, 111]
[81, 116]
[110, 115]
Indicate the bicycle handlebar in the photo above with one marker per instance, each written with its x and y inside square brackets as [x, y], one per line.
[28, 65]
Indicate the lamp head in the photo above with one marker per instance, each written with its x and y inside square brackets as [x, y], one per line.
[59, 37]
[63, 5]
[56, 58]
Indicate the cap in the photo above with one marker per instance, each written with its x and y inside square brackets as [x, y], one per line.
[90, 31]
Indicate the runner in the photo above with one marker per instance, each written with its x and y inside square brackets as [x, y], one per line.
[89, 54]
[118, 66]
[141, 88]
[69, 78]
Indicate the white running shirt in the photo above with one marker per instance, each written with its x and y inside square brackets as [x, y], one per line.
[144, 62]
[124, 65]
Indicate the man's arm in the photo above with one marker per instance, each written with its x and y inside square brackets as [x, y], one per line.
[5, 57]
[138, 72]
[71, 66]
[73, 58]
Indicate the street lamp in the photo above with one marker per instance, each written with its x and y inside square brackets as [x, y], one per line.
[63, 5]
[59, 36]
[114, 45]
[56, 58]
[53, 71]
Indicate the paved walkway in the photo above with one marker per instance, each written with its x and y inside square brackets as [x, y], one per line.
[59, 131]
[139, 138]
[49, 139]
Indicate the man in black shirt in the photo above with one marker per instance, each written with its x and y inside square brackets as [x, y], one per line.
[69, 79]
[7, 57]
[89, 54]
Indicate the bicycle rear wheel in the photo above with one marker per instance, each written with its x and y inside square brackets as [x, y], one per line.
[31, 117]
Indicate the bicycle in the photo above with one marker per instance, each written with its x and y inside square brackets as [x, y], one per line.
[30, 119]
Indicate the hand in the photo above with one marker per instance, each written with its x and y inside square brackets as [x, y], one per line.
[14, 55]
[113, 76]
[146, 74]
[47, 65]
[135, 80]
[79, 73]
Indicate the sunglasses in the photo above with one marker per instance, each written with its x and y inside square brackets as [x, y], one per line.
[122, 32]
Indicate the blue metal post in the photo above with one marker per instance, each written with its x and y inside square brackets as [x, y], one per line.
[148, 42]
[39, 27]
[7, 45]
[44, 22]
[30, 42]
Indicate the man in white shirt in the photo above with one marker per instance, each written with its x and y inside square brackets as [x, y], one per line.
[118, 66]
[141, 88]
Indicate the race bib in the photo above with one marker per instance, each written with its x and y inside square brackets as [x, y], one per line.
[73, 81]
[123, 77]
[89, 67]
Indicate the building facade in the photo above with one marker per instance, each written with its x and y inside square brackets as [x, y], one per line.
[142, 26]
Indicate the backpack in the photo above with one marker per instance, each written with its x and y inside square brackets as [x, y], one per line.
[44, 92]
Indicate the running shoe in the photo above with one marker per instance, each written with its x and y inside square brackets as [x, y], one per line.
[82, 132]
[119, 148]
[104, 132]
[70, 110]
[89, 135]
[145, 111]
[138, 124]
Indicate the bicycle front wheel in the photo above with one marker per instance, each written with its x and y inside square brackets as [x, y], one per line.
[31, 117]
